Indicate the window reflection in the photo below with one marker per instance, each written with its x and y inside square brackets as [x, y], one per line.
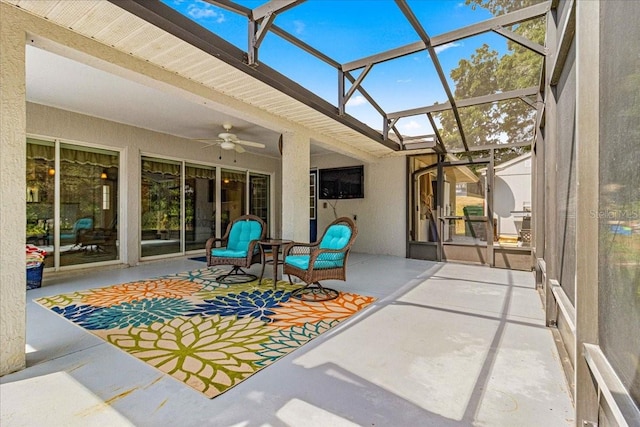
[200, 204]
[259, 203]
[87, 230]
[233, 197]
[88, 222]
[41, 196]
[160, 207]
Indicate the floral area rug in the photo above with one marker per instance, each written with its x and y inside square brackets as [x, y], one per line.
[209, 335]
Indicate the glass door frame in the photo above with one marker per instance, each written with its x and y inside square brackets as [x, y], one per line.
[218, 199]
[57, 201]
[439, 166]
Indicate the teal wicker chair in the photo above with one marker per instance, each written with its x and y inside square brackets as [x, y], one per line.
[323, 260]
[238, 248]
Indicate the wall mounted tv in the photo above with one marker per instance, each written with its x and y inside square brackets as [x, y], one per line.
[342, 183]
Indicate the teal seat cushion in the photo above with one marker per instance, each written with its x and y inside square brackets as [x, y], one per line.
[228, 253]
[243, 232]
[336, 237]
[302, 261]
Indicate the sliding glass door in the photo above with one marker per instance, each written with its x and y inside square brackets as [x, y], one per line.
[259, 196]
[41, 196]
[233, 196]
[182, 204]
[160, 207]
[199, 206]
[72, 202]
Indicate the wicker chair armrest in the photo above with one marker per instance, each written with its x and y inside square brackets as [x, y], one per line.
[211, 243]
[298, 248]
[253, 245]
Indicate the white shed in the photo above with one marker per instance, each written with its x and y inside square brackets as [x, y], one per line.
[512, 195]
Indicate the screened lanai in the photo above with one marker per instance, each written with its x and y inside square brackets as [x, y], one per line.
[452, 86]
[493, 132]
[410, 78]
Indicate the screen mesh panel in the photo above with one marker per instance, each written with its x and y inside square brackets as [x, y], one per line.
[565, 227]
[619, 191]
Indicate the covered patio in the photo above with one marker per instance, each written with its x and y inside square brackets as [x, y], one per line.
[139, 129]
[444, 345]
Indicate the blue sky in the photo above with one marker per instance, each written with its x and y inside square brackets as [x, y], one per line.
[347, 30]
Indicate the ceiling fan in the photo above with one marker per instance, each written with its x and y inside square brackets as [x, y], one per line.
[229, 141]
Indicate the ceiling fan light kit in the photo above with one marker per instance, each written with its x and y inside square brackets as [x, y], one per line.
[227, 145]
[227, 136]
[229, 141]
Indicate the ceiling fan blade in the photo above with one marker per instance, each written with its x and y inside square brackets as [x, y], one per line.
[227, 136]
[208, 142]
[239, 149]
[249, 143]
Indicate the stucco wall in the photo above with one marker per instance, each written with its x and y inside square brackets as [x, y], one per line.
[68, 126]
[381, 214]
[295, 205]
[12, 196]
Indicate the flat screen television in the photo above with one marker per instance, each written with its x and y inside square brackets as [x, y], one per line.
[342, 183]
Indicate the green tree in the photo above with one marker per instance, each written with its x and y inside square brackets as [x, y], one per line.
[486, 73]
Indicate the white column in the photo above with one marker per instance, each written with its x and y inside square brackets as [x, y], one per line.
[13, 215]
[296, 161]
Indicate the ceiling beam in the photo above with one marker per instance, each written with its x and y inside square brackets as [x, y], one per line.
[343, 97]
[511, 18]
[231, 7]
[331, 62]
[415, 23]
[507, 19]
[435, 108]
[173, 22]
[261, 20]
[304, 46]
[419, 142]
[468, 102]
[567, 32]
[529, 102]
[368, 97]
[522, 41]
[496, 97]
[257, 32]
[385, 56]
[490, 146]
[440, 145]
[273, 7]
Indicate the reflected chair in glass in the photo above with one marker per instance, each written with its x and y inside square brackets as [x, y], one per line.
[73, 237]
[322, 260]
[238, 248]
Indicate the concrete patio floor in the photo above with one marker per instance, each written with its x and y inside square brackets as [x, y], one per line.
[444, 345]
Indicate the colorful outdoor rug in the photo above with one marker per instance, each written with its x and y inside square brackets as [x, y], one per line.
[209, 335]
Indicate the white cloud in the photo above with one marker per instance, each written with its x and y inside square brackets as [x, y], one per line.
[354, 101]
[444, 47]
[412, 125]
[403, 81]
[299, 27]
[201, 10]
